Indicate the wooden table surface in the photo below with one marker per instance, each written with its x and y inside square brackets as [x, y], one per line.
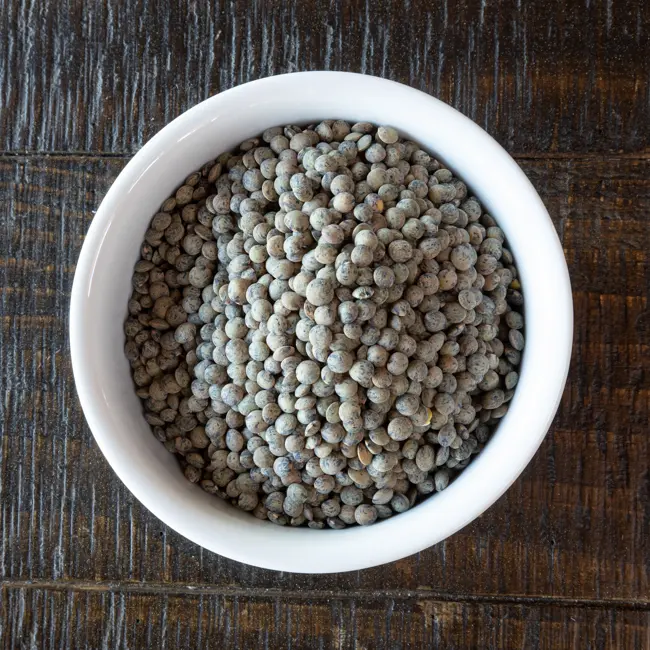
[563, 559]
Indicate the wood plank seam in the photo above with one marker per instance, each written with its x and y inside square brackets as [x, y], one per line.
[317, 595]
[517, 155]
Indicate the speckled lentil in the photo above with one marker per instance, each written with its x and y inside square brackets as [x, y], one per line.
[324, 326]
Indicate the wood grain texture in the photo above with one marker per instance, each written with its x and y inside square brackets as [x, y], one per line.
[92, 620]
[574, 526]
[545, 76]
[562, 560]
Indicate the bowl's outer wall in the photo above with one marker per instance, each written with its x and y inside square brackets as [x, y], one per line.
[102, 287]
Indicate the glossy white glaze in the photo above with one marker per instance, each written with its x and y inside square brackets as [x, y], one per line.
[102, 287]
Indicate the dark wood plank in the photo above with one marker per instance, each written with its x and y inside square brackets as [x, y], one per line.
[573, 526]
[108, 619]
[87, 75]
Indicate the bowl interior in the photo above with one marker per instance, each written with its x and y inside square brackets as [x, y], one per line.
[102, 287]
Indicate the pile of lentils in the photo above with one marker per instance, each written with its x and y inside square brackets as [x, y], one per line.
[325, 325]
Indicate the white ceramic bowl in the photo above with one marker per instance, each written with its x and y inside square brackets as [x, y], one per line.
[102, 287]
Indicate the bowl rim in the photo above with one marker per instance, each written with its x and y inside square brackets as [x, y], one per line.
[366, 549]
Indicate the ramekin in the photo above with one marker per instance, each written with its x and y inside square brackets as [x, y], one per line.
[102, 286]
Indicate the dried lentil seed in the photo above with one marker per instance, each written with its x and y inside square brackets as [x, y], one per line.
[380, 256]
